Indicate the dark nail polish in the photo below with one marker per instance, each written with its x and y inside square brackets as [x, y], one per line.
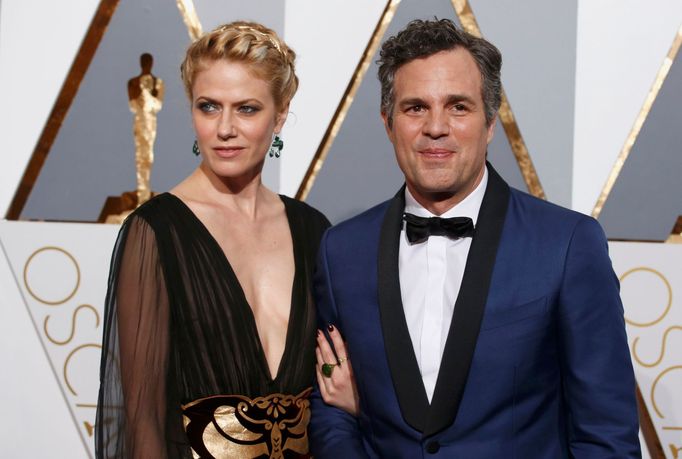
[330, 327]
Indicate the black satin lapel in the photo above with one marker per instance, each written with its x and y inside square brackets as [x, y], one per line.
[402, 362]
[469, 307]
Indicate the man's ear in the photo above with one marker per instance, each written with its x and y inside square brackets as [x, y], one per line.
[387, 126]
[491, 130]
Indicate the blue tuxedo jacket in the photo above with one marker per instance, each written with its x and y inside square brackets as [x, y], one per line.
[536, 363]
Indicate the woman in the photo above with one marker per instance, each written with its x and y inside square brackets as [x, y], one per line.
[209, 341]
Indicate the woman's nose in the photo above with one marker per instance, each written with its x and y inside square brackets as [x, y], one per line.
[226, 129]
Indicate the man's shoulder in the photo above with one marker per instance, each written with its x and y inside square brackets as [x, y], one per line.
[549, 218]
[372, 216]
[362, 224]
[540, 208]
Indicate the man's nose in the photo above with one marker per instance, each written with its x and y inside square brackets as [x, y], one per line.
[436, 124]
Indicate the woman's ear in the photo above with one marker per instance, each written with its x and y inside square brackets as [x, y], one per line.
[281, 117]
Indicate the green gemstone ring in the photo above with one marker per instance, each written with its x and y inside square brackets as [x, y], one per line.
[327, 369]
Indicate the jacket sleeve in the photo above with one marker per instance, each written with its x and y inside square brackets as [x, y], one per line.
[598, 379]
[333, 432]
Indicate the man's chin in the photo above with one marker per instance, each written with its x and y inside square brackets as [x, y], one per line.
[436, 193]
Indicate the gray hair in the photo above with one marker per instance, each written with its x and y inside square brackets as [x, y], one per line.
[425, 38]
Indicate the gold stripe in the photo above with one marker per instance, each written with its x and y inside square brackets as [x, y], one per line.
[80, 65]
[189, 16]
[506, 115]
[466, 17]
[346, 101]
[518, 147]
[639, 122]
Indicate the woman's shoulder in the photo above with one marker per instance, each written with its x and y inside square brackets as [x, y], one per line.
[305, 211]
[161, 209]
[156, 223]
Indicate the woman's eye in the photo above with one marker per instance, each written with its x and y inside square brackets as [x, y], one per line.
[248, 109]
[208, 107]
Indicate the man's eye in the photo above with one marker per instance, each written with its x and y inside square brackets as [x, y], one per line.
[459, 107]
[208, 107]
[416, 108]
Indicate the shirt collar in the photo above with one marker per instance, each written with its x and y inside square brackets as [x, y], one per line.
[469, 206]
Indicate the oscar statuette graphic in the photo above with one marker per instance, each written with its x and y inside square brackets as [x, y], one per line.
[145, 99]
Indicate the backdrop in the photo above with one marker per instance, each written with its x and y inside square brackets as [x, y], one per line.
[591, 122]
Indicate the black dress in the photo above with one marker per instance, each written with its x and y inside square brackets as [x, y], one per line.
[183, 372]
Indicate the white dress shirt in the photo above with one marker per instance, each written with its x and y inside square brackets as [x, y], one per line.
[430, 278]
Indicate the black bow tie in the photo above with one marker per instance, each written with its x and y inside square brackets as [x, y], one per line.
[419, 229]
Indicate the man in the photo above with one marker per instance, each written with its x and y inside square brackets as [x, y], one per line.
[497, 334]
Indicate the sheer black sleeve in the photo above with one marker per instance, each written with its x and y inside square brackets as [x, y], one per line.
[131, 411]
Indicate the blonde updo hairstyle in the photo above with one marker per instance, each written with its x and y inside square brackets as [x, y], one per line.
[268, 57]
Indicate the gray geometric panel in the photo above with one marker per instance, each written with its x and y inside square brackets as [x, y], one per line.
[93, 155]
[360, 169]
[503, 160]
[213, 13]
[647, 196]
[537, 39]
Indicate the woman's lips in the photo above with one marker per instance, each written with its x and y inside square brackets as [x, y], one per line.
[227, 152]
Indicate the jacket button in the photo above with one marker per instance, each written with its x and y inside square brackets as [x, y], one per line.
[432, 447]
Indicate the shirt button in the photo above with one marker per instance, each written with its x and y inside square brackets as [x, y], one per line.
[432, 447]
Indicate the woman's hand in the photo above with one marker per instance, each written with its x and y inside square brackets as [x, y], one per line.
[336, 380]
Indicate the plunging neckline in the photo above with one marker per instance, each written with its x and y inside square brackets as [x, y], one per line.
[265, 367]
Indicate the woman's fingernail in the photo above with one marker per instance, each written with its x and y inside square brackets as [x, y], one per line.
[330, 327]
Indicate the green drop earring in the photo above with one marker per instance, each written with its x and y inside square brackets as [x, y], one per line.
[276, 147]
[195, 148]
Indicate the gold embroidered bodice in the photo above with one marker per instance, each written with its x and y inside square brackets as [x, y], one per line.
[233, 426]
